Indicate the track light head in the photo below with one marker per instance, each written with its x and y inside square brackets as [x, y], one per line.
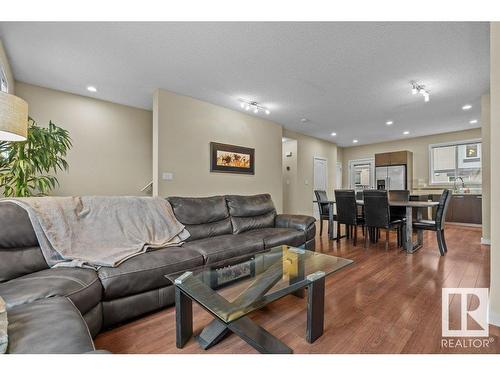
[254, 106]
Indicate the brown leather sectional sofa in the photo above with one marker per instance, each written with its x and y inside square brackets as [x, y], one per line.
[60, 310]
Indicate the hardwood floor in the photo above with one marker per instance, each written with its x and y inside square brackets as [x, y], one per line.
[387, 302]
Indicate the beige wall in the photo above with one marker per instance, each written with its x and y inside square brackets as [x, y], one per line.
[307, 149]
[495, 172]
[185, 126]
[485, 160]
[419, 146]
[4, 64]
[111, 152]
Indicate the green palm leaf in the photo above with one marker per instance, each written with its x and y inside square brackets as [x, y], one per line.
[25, 166]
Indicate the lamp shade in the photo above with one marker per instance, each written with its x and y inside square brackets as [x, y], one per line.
[13, 118]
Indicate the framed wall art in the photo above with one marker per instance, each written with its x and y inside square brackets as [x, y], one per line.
[231, 158]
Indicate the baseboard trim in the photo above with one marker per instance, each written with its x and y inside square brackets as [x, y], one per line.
[465, 224]
[485, 241]
[494, 318]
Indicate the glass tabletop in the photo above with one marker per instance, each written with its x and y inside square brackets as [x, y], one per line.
[232, 289]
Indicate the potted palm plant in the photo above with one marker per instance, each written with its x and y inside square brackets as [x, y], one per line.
[26, 167]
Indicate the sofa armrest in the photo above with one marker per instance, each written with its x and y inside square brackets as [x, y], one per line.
[305, 223]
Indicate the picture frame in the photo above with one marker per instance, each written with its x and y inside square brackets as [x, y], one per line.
[227, 158]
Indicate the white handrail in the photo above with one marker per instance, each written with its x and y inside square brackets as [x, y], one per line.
[147, 186]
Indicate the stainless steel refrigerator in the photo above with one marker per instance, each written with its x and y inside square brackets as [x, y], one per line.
[391, 178]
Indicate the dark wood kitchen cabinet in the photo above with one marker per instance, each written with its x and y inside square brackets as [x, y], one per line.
[393, 158]
[466, 208]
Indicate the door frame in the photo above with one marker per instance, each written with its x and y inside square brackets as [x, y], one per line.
[326, 178]
[351, 164]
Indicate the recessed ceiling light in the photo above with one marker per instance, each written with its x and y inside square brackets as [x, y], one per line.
[354, 141]
[91, 88]
[406, 132]
[389, 123]
[333, 134]
[473, 122]
[304, 120]
[466, 107]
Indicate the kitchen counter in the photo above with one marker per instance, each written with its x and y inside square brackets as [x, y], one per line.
[439, 191]
[464, 208]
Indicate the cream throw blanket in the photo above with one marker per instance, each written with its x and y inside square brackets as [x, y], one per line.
[3, 327]
[100, 231]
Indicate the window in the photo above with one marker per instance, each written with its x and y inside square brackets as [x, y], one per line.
[453, 160]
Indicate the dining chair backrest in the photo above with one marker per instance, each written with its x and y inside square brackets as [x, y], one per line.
[322, 197]
[345, 200]
[376, 203]
[442, 208]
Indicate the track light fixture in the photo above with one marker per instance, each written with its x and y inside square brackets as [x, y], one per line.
[419, 89]
[254, 106]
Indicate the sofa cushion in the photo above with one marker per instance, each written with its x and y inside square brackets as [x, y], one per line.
[20, 261]
[81, 285]
[17, 230]
[46, 326]
[280, 236]
[146, 271]
[251, 212]
[203, 217]
[299, 222]
[228, 246]
[19, 249]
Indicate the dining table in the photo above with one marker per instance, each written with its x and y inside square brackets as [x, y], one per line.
[409, 245]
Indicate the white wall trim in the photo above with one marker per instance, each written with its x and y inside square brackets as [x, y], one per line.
[485, 241]
[494, 318]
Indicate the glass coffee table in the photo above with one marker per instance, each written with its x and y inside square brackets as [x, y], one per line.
[230, 290]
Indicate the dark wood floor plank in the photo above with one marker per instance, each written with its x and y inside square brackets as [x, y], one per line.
[387, 302]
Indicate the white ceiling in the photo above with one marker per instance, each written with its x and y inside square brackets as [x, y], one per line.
[348, 78]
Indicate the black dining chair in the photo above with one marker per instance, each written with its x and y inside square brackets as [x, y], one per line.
[323, 208]
[437, 225]
[347, 213]
[399, 212]
[378, 216]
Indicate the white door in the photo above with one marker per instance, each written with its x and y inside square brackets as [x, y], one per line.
[338, 176]
[320, 180]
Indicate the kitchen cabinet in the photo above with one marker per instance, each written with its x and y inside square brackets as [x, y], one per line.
[382, 159]
[465, 208]
[393, 158]
[393, 161]
[399, 157]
